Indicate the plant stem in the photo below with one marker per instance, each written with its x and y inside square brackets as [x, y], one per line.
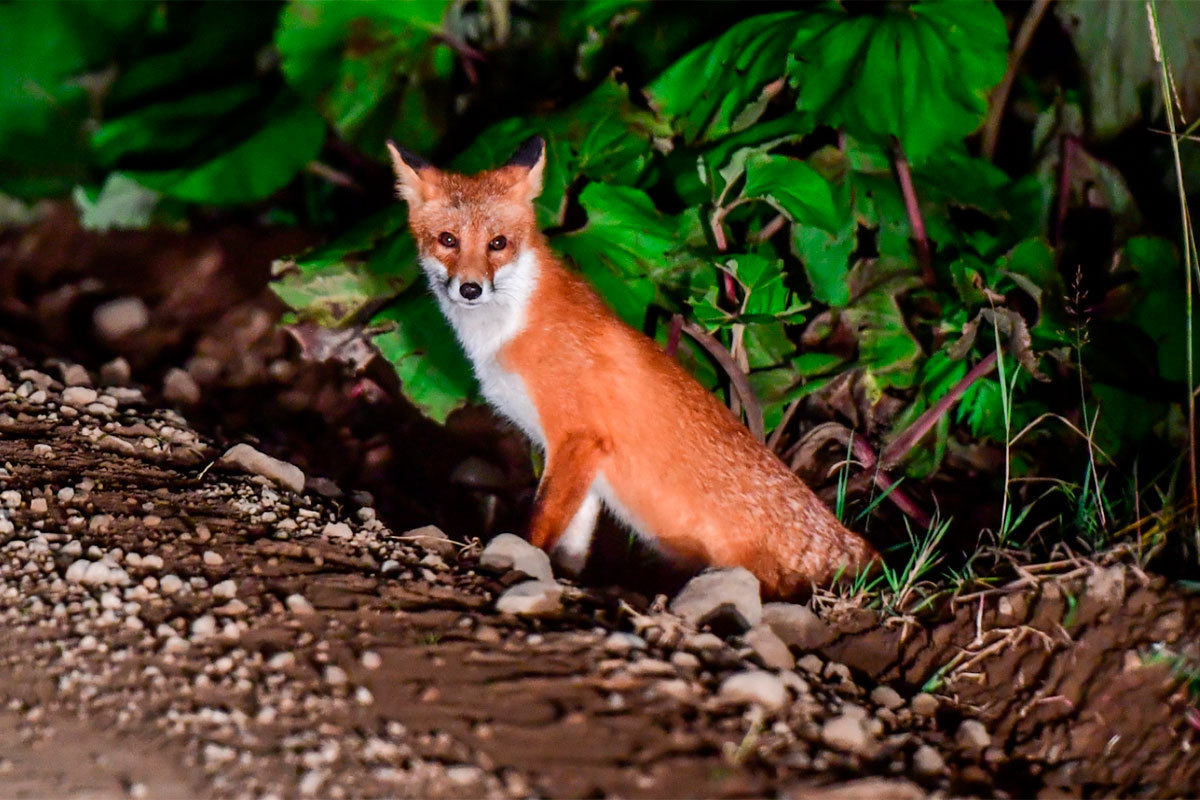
[738, 378]
[991, 127]
[673, 334]
[1165, 84]
[915, 220]
[1066, 158]
[899, 447]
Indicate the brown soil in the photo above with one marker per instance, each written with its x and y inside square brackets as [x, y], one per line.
[464, 702]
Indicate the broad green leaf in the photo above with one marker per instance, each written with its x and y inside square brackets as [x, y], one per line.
[251, 170]
[920, 72]
[434, 374]
[1112, 38]
[171, 125]
[706, 94]
[886, 346]
[628, 248]
[1160, 310]
[793, 188]
[604, 137]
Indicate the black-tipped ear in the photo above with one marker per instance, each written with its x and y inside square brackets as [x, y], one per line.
[411, 159]
[529, 153]
[411, 184]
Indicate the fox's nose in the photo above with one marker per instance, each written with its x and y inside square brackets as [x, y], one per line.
[470, 290]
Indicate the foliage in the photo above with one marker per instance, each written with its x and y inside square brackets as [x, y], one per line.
[742, 170]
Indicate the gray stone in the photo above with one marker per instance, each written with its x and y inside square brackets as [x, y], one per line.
[928, 762]
[846, 732]
[972, 736]
[120, 317]
[115, 372]
[797, 625]
[620, 643]
[431, 537]
[770, 648]
[531, 598]
[79, 396]
[281, 472]
[180, 388]
[754, 686]
[887, 697]
[924, 704]
[731, 594]
[508, 552]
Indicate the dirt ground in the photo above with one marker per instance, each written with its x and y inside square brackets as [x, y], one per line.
[175, 627]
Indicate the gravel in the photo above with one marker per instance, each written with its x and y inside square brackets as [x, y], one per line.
[754, 686]
[508, 552]
[531, 598]
[247, 458]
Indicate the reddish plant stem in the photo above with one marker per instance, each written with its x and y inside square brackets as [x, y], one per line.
[915, 220]
[866, 456]
[738, 378]
[673, 334]
[900, 446]
[991, 127]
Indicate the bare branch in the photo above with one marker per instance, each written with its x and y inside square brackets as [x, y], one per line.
[991, 127]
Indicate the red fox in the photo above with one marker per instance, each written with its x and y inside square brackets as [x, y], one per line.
[622, 424]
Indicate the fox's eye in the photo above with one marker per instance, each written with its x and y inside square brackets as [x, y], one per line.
[447, 239]
[499, 243]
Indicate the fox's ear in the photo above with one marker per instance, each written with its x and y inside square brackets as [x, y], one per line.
[530, 161]
[416, 178]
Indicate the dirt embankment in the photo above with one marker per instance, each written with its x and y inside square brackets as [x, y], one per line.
[178, 628]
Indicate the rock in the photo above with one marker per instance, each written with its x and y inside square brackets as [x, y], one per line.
[298, 604]
[887, 697]
[120, 317]
[204, 627]
[620, 643]
[336, 676]
[225, 590]
[431, 537]
[928, 762]
[247, 458]
[337, 530]
[874, 788]
[509, 552]
[924, 704]
[115, 372]
[180, 388]
[531, 598]
[797, 625]
[212, 559]
[203, 369]
[371, 660]
[721, 596]
[846, 732]
[38, 505]
[1106, 586]
[769, 647]
[170, 583]
[479, 474]
[972, 736]
[754, 686]
[75, 375]
[79, 396]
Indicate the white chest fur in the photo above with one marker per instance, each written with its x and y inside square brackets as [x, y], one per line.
[486, 327]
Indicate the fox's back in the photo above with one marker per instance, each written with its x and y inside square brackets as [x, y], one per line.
[681, 468]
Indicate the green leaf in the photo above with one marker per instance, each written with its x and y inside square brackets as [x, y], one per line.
[794, 188]
[919, 72]
[603, 137]
[628, 248]
[707, 93]
[434, 374]
[1160, 311]
[252, 170]
[1112, 38]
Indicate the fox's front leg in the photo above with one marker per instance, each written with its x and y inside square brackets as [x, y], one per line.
[565, 512]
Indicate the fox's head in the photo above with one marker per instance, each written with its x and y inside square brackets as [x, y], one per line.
[473, 231]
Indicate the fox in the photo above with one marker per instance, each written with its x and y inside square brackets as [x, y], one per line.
[622, 424]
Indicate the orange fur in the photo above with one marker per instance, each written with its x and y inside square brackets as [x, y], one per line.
[617, 416]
